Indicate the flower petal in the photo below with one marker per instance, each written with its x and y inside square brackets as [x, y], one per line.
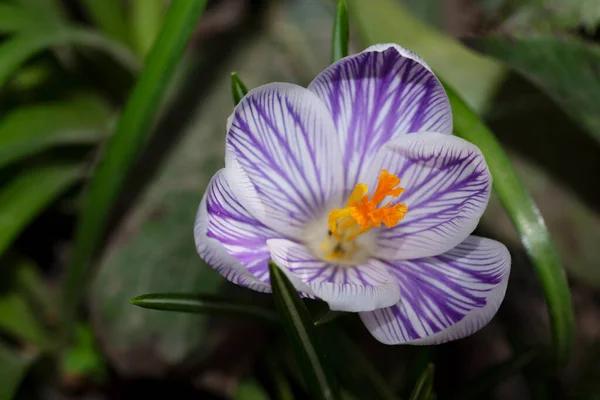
[447, 187]
[285, 155]
[229, 239]
[446, 297]
[379, 94]
[344, 287]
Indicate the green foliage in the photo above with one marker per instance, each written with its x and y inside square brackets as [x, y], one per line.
[14, 366]
[24, 196]
[238, 89]
[423, 390]
[18, 320]
[341, 32]
[109, 16]
[386, 21]
[82, 358]
[297, 323]
[130, 135]
[204, 304]
[565, 67]
[146, 20]
[31, 129]
[528, 222]
[250, 390]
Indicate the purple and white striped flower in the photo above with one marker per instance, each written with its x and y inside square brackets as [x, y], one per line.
[295, 189]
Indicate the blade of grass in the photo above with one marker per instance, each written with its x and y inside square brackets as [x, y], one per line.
[424, 386]
[238, 89]
[355, 371]
[527, 220]
[146, 19]
[14, 367]
[23, 197]
[205, 304]
[30, 129]
[129, 137]
[300, 330]
[109, 17]
[339, 45]
[15, 51]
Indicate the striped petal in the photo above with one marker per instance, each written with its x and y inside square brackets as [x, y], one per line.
[351, 288]
[444, 298]
[447, 187]
[384, 92]
[285, 155]
[229, 239]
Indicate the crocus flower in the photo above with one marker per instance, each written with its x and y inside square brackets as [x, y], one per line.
[356, 188]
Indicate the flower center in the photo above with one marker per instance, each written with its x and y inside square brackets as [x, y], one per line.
[360, 215]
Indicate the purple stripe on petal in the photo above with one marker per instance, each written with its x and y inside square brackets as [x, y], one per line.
[351, 288]
[379, 94]
[229, 239]
[446, 297]
[447, 187]
[284, 156]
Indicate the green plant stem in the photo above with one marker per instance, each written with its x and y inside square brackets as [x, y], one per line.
[527, 220]
[130, 135]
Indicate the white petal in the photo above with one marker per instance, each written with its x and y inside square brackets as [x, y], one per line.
[285, 157]
[229, 239]
[344, 287]
[444, 298]
[377, 95]
[447, 187]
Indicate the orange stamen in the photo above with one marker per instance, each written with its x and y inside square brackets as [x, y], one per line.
[362, 214]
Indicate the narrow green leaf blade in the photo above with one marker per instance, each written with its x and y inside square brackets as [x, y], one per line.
[300, 330]
[15, 51]
[14, 367]
[31, 129]
[527, 220]
[339, 44]
[27, 194]
[130, 135]
[424, 386]
[15, 19]
[204, 304]
[238, 89]
[18, 320]
[109, 17]
[146, 19]
[355, 371]
[250, 389]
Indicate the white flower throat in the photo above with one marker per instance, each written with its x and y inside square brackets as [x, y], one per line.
[348, 239]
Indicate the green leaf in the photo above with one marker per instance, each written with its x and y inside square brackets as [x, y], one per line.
[203, 304]
[565, 68]
[109, 17]
[552, 15]
[527, 220]
[15, 51]
[281, 387]
[300, 330]
[14, 367]
[386, 21]
[31, 129]
[146, 20]
[14, 19]
[18, 320]
[327, 317]
[479, 385]
[130, 135]
[82, 358]
[424, 387]
[339, 39]
[27, 194]
[355, 371]
[250, 389]
[238, 89]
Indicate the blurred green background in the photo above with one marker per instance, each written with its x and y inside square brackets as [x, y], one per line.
[530, 69]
